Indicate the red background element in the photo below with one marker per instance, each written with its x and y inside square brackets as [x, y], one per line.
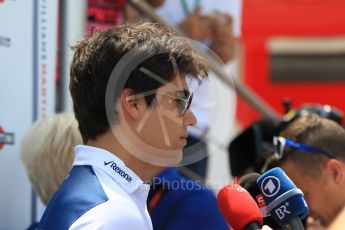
[262, 20]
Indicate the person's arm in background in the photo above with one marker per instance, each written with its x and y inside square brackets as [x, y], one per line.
[132, 15]
[196, 26]
[223, 40]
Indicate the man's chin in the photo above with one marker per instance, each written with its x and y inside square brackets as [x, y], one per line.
[324, 222]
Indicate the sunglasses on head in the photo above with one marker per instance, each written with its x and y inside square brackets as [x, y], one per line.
[183, 101]
[281, 142]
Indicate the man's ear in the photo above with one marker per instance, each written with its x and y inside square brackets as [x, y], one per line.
[132, 105]
[335, 171]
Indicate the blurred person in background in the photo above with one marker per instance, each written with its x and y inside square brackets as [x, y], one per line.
[312, 153]
[47, 153]
[209, 22]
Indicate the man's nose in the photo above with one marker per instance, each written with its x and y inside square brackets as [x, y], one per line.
[189, 118]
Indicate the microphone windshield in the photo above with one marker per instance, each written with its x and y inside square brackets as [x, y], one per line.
[283, 199]
[238, 207]
[248, 182]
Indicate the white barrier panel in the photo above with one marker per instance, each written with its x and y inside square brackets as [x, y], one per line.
[27, 92]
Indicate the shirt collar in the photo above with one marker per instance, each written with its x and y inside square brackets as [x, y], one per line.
[109, 163]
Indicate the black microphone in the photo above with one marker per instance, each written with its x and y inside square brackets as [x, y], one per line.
[248, 182]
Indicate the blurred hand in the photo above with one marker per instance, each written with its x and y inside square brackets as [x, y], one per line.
[131, 14]
[196, 26]
[222, 38]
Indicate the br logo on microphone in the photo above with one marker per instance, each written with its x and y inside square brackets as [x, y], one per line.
[270, 186]
[282, 211]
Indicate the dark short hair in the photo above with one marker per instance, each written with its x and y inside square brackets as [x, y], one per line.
[318, 132]
[96, 55]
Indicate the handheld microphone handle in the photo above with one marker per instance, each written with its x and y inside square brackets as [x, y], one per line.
[296, 224]
[253, 226]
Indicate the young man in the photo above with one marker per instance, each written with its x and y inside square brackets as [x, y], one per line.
[131, 101]
[313, 156]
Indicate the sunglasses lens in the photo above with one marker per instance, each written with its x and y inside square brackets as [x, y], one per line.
[279, 146]
[189, 102]
[185, 104]
[184, 100]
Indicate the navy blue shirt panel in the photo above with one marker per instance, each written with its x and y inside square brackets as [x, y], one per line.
[80, 192]
[185, 204]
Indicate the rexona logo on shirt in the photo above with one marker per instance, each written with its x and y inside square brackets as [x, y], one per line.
[118, 170]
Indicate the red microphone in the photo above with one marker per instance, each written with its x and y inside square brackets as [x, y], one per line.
[239, 208]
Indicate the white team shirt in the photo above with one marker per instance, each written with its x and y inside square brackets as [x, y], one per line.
[127, 194]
